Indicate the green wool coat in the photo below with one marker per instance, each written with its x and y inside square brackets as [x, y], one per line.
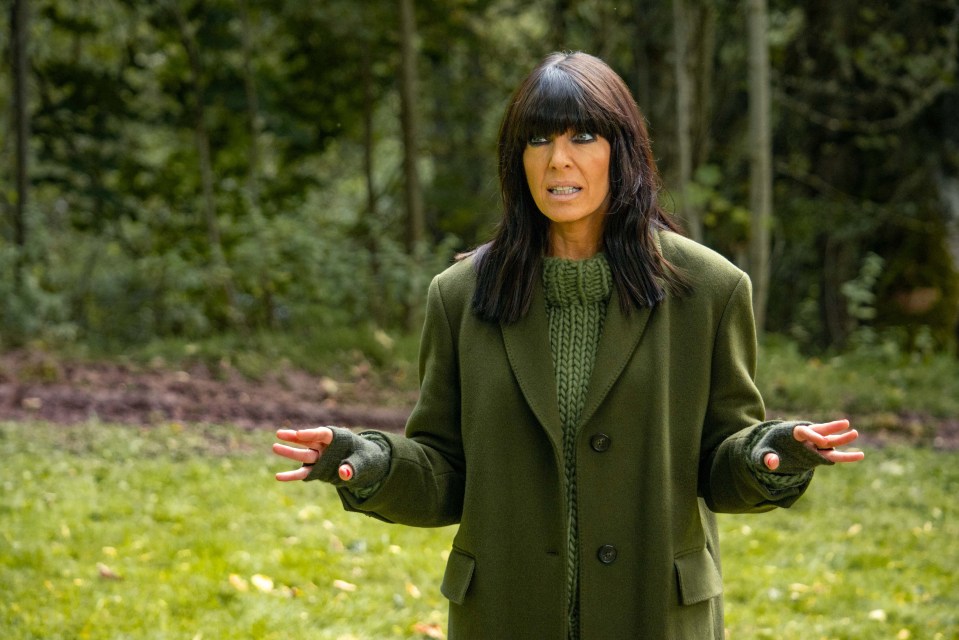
[662, 444]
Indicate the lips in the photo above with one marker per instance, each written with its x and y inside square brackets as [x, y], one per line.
[563, 191]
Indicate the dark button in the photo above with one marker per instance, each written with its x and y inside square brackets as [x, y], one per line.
[607, 554]
[599, 442]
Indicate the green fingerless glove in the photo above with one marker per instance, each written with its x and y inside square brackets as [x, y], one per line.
[368, 454]
[794, 457]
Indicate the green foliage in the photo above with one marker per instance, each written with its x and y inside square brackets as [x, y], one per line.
[181, 531]
[225, 166]
[860, 293]
[879, 382]
[726, 222]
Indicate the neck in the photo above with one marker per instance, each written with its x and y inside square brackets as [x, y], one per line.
[574, 244]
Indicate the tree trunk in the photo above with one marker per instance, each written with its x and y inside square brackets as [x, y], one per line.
[369, 139]
[705, 54]
[760, 179]
[252, 110]
[408, 82]
[684, 118]
[201, 138]
[641, 79]
[19, 27]
[367, 219]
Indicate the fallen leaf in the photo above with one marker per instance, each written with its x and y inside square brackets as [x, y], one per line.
[878, 615]
[343, 585]
[239, 583]
[329, 386]
[262, 583]
[107, 573]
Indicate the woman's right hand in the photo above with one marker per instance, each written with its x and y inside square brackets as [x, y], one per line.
[312, 444]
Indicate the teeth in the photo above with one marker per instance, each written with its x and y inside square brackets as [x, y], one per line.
[564, 191]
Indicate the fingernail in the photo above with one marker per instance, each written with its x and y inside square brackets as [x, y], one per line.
[346, 472]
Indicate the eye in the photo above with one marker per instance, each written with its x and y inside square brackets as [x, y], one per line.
[583, 137]
[536, 141]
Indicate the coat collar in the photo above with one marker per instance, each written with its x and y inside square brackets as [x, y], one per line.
[528, 350]
[621, 336]
[527, 347]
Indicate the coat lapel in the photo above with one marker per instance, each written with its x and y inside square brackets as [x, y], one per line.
[527, 347]
[621, 335]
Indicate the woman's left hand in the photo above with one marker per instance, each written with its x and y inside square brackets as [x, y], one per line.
[823, 439]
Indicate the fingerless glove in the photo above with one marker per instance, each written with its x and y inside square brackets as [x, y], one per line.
[368, 454]
[794, 456]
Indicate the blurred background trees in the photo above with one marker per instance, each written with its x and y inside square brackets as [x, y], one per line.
[186, 168]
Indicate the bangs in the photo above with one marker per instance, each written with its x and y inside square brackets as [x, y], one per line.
[557, 102]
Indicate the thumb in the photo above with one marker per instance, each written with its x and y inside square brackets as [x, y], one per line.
[345, 472]
[771, 460]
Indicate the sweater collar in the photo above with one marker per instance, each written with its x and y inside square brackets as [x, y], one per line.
[576, 282]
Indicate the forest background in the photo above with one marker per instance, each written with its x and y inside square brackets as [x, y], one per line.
[188, 169]
[218, 214]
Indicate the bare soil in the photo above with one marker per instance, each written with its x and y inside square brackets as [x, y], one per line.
[36, 386]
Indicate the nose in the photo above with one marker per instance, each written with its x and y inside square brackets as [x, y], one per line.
[560, 155]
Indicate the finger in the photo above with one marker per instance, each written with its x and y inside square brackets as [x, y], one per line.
[821, 435]
[843, 457]
[829, 428]
[296, 474]
[306, 456]
[315, 438]
[807, 434]
[286, 434]
[843, 438]
[771, 460]
[345, 472]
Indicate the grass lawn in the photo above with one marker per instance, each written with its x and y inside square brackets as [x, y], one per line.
[181, 532]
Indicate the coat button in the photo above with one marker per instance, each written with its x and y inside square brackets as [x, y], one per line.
[600, 442]
[607, 554]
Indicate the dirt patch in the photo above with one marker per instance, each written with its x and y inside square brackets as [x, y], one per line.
[34, 386]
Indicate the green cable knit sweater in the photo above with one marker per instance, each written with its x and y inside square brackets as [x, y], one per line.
[577, 293]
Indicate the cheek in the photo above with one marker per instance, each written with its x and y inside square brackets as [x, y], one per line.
[529, 168]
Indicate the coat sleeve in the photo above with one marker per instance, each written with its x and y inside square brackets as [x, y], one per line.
[424, 486]
[727, 479]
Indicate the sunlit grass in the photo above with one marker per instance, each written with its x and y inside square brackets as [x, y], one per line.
[181, 532]
[869, 552]
[205, 543]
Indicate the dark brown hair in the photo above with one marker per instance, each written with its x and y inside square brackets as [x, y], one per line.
[579, 92]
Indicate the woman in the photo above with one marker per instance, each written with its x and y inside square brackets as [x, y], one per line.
[587, 399]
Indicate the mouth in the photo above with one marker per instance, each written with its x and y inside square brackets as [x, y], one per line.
[564, 191]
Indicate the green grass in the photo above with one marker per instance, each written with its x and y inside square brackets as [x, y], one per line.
[322, 350]
[176, 512]
[874, 384]
[208, 545]
[869, 552]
